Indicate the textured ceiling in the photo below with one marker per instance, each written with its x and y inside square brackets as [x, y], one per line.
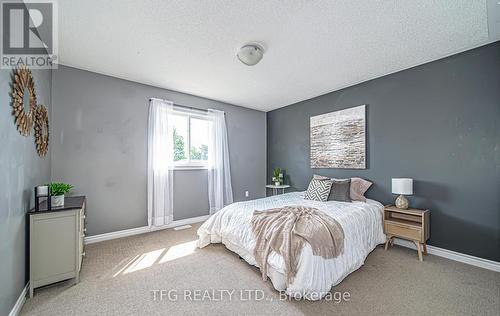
[312, 47]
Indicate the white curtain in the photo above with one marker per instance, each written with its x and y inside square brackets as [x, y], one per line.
[160, 163]
[220, 191]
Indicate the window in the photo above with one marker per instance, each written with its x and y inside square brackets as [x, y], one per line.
[190, 133]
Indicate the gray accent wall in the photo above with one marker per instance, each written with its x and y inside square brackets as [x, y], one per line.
[438, 123]
[100, 146]
[21, 169]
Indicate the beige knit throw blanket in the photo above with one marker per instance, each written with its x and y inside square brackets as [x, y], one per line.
[285, 230]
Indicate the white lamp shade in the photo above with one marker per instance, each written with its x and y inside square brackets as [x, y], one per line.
[402, 186]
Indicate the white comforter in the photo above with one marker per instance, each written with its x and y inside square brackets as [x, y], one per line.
[362, 224]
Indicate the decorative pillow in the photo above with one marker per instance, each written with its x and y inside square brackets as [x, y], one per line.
[358, 188]
[340, 191]
[318, 190]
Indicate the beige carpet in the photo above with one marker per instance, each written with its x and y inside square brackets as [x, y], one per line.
[119, 277]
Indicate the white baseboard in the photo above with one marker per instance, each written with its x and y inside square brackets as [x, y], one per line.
[20, 302]
[453, 255]
[142, 230]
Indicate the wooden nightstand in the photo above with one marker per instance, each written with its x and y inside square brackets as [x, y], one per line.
[412, 224]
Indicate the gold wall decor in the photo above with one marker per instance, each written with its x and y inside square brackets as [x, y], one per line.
[23, 100]
[42, 130]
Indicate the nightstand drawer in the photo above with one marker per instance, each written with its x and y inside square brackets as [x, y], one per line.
[403, 231]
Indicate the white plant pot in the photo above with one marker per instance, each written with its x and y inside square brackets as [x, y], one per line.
[277, 183]
[57, 201]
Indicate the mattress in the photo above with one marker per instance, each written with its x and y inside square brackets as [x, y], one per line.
[363, 231]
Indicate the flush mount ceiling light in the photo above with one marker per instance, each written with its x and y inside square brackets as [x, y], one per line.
[250, 54]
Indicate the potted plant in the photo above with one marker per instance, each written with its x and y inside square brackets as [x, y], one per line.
[277, 176]
[57, 190]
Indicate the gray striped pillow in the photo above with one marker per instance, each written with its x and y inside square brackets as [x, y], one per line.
[318, 190]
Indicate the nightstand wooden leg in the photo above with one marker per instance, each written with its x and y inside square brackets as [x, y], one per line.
[425, 248]
[419, 250]
[387, 242]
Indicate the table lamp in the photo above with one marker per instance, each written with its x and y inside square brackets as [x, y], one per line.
[402, 186]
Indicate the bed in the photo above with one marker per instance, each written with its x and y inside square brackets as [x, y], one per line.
[363, 229]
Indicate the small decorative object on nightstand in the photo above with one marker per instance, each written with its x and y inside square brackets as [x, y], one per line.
[277, 176]
[42, 191]
[412, 224]
[276, 188]
[402, 186]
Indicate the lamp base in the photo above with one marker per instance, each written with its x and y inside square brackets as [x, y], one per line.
[402, 202]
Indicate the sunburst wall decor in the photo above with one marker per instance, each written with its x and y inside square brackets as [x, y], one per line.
[42, 130]
[24, 113]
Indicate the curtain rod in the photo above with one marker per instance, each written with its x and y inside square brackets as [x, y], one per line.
[182, 106]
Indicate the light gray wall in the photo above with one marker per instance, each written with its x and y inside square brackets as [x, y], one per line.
[191, 193]
[21, 169]
[100, 146]
[438, 123]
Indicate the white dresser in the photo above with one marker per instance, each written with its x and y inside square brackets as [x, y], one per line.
[56, 243]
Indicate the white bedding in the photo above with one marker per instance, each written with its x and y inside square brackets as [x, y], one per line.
[361, 221]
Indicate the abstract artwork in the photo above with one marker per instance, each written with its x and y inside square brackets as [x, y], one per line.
[338, 139]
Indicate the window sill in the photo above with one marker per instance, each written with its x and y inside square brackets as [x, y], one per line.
[176, 168]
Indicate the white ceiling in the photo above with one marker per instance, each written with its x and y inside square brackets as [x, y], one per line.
[312, 47]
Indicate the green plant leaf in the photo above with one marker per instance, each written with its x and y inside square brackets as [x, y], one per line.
[59, 188]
